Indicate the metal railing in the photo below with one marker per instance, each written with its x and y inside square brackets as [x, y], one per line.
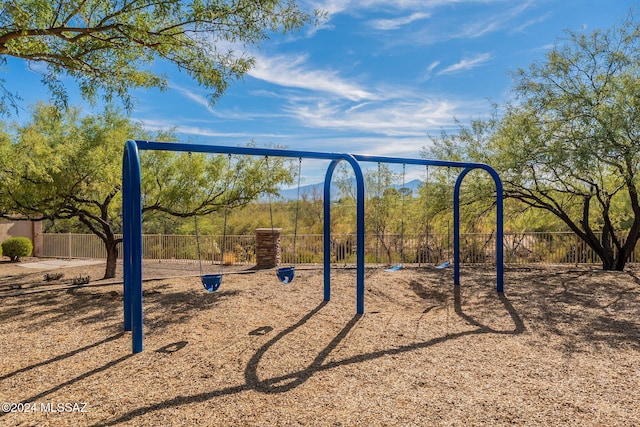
[530, 247]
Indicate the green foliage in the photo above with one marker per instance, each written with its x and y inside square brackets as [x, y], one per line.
[570, 145]
[16, 248]
[111, 45]
[65, 166]
[206, 185]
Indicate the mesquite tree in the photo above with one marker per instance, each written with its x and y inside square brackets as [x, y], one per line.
[570, 144]
[109, 46]
[68, 166]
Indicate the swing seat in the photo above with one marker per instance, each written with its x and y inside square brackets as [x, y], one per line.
[443, 265]
[285, 274]
[211, 282]
[394, 268]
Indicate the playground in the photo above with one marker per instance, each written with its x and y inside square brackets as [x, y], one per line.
[560, 346]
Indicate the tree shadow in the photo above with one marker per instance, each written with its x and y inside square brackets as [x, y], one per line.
[587, 309]
[290, 380]
[62, 357]
[91, 306]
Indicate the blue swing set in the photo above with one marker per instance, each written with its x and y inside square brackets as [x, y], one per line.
[286, 274]
[212, 282]
[132, 220]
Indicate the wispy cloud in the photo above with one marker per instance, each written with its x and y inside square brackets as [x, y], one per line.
[294, 72]
[430, 68]
[396, 23]
[467, 64]
[494, 22]
[530, 22]
[196, 97]
[354, 6]
[155, 125]
[396, 117]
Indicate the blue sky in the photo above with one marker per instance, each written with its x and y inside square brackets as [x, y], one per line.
[376, 77]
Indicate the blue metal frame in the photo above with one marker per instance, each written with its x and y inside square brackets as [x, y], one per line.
[359, 231]
[132, 216]
[132, 219]
[466, 168]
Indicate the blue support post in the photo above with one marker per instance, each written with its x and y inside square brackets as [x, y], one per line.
[132, 223]
[467, 166]
[126, 239]
[359, 233]
[360, 230]
[456, 226]
[499, 232]
[327, 229]
[499, 226]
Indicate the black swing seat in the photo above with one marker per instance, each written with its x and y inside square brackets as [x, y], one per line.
[285, 274]
[211, 282]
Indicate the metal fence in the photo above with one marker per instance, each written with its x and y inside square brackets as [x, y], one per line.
[530, 247]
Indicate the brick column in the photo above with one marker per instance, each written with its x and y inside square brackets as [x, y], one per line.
[267, 252]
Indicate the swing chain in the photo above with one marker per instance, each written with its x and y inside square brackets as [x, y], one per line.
[273, 234]
[195, 219]
[295, 226]
[226, 212]
[427, 215]
[403, 191]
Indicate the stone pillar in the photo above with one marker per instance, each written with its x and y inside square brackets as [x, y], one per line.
[267, 252]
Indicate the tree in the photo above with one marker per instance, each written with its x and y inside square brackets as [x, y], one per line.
[382, 209]
[64, 166]
[571, 144]
[111, 45]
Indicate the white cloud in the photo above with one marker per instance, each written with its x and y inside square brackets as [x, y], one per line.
[427, 75]
[338, 6]
[198, 98]
[529, 23]
[155, 125]
[396, 23]
[467, 64]
[494, 22]
[293, 72]
[394, 117]
[433, 65]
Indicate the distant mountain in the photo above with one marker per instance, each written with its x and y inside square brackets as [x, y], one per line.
[309, 190]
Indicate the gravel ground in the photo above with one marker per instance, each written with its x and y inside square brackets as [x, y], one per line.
[560, 347]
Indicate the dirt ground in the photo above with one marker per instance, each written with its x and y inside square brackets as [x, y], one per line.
[560, 347]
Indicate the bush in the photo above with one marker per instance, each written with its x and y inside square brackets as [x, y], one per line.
[17, 247]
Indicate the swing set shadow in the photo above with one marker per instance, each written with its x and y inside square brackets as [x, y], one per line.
[290, 380]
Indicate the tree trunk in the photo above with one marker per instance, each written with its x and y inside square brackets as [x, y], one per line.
[621, 261]
[607, 263]
[614, 262]
[112, 258]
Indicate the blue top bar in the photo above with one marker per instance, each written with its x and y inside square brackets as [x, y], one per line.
[223, 149]
[273, 152]
[427, 162]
